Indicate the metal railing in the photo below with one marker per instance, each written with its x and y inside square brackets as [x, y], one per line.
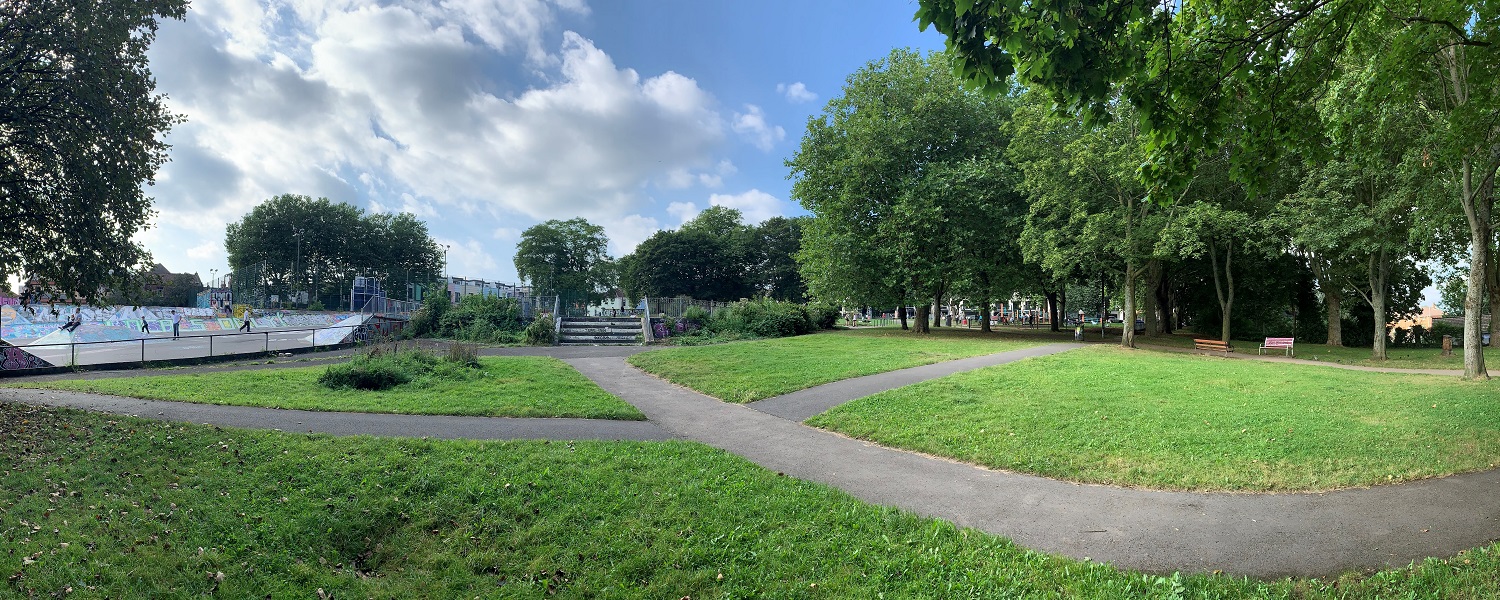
[380, 305]
[187, 347]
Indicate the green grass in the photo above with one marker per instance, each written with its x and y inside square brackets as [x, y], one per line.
[519, 386]
[1397, 358]
[754, 370]
[1137, 418]
[92, 510]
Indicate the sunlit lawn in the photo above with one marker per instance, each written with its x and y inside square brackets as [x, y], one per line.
[519, 386]
[116, 507]
[1106, 415]
[1398, 358]
[753, 370]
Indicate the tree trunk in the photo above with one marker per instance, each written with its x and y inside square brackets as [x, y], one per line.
[1127, 312]
[1164, 303]
[1379, 271]
[1334, 300]
[922, 320]
[1477, 208]
[1224, 290]
[1054, 314]
[1335, 318]
[1103, 308]
[984, 315]
[937, 312]
[1153, 281]
[901, 310]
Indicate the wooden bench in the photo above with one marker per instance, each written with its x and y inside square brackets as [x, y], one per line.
[1278, 344]
[1214, 345]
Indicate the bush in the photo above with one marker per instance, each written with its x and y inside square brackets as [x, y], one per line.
[377, 370]
[762, 318]
[823, 314]
[315, 305]
[541, 331]
[696, 314]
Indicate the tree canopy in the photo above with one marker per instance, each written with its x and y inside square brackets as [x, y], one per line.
[566, 258]
[293, 243]
[81, 131]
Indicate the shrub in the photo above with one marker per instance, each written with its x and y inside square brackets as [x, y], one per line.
[762, 318]
[823, 314]
[378, 370]
[541, 331]
[316, 305]
[696, 314]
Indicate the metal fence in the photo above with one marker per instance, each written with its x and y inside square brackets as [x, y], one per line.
[675, 307]
[380, 305]
[33, 357]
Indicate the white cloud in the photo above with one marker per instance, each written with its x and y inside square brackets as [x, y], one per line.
[683, 211]
[755, 205]
[507, 234]
[469, 259]
[796, 93]
[752, 126]
[628, 232]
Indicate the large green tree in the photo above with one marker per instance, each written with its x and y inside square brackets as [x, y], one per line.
[81, 134]
[566, 257]
[868, 170]
[293, 243]
[1206, 75]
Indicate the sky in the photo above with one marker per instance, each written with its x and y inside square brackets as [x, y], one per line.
[486, 117]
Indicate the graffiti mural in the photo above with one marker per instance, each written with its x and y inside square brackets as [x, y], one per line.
[16, 359]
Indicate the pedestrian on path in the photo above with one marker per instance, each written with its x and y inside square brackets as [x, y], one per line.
[176, 324]
[246, 325]
[145, 328]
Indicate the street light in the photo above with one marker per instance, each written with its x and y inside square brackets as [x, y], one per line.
[447, 283]
[296, 262]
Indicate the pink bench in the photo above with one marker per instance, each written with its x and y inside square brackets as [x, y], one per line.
[1278, 344]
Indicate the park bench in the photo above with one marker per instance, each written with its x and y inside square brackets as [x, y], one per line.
[1278, 344]
[1214, 345]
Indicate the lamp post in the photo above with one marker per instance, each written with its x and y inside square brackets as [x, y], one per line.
[447, 283]
[297, 262]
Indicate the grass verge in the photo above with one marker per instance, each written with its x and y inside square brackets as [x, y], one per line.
[1396, 358]
[519, 386]
[1106, 415]
[754, 370]
[93, 511]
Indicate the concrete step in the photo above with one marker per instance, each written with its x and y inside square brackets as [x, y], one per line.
[601, 330]
[632, 320]
[593, 339]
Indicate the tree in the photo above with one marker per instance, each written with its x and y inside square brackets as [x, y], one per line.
[293, 243]
[689, 262]
[81, 134]
[772, 247]
[1088, 210]
[867, 169]
[566, 258]
[1198, 71]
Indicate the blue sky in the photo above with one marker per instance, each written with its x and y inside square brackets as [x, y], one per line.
[484, 117]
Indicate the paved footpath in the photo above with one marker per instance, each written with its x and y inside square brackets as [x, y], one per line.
[1259, 535]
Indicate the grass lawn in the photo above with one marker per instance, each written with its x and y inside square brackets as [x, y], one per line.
[93, 510]
[1397, 358]
[754, 370]
[520, 386]
[1106, 415]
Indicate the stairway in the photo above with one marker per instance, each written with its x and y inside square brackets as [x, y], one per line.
[600, 331]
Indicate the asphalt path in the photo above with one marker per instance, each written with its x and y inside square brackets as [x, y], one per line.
[1258, 535]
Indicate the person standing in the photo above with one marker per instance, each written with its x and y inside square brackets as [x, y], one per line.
[246, 325]
[176, 324]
